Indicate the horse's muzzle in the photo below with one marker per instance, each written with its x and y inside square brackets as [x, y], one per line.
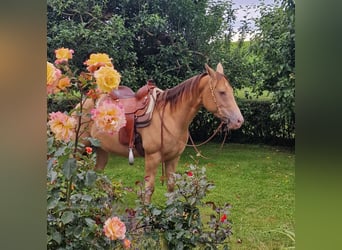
[233, 124]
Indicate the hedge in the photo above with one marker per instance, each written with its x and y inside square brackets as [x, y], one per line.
[260, 128]
[257, 128]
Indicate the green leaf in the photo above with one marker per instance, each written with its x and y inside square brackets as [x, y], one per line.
[156, 211]
[94, 142]
[69, 168]
[78, 231]
[90, 222]
[50, 163]
[60, 151]
[179, 234]
[53, 176]
[91, 177]
[56, 236]
[52, 203]
[50, 142]
[67, 217]
[87, 197]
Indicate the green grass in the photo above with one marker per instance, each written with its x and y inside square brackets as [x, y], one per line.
[240, 94]
[258, 181]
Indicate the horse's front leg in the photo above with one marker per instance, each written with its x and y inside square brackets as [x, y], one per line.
[101, 158]
[170, 170]
[151, 165]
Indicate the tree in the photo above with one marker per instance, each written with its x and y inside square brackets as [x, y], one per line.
[89, 26]
[168, 41]
[274, 45]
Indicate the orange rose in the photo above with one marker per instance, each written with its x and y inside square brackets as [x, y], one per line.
[126, 243]
[63, 55]
[114, 228]
[64, 83]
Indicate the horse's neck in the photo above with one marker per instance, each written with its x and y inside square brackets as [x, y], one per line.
[185, 113]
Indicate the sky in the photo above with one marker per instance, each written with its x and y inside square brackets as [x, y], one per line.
[241, 12]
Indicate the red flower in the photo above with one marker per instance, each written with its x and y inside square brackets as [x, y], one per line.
[126, 243]
[89, 150]
[190, 173]
[223, 218]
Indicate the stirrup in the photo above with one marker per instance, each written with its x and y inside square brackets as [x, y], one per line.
[130, 156]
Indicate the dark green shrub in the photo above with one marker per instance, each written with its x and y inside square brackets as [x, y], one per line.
[258, 127]
[62, 103]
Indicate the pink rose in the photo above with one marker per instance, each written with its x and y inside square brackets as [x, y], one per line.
[114, 228]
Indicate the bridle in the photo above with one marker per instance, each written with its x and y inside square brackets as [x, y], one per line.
[214, 97]
[216, 130]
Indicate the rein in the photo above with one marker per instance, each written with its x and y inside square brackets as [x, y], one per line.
[163, 177]
[161, 116]
[206, 141]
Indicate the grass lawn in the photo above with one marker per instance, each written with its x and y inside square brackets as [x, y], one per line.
[258, 181]
[240, 93]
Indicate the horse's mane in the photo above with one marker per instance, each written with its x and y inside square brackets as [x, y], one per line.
[175, 95]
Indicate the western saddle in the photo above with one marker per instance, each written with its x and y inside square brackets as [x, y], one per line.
[138, 108]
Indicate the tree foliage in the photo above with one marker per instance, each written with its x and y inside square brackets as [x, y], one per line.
[274, 46]
[167, 41]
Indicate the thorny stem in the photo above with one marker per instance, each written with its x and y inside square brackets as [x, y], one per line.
[69, 190]
[76, 144]
[78, 126]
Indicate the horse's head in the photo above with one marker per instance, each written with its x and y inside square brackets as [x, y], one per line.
[218, 98]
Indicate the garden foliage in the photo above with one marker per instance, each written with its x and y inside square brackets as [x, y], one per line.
[83, 206]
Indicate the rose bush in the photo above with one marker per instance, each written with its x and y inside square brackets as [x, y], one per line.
[79, 200]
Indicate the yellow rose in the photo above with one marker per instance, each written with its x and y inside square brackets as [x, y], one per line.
[98, 60]
[107, 78]
[52, 76]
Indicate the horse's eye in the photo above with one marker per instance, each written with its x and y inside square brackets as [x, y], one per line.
[222, 93]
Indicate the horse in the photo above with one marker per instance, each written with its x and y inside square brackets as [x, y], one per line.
[165, 139]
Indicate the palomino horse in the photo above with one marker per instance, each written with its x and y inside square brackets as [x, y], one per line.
[167, 135]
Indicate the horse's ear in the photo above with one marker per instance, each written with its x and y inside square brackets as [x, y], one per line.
[210, 71]
[219, 68]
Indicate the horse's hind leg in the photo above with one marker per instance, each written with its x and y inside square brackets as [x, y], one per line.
[170, 170]
[101, 158]
[151, 164]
